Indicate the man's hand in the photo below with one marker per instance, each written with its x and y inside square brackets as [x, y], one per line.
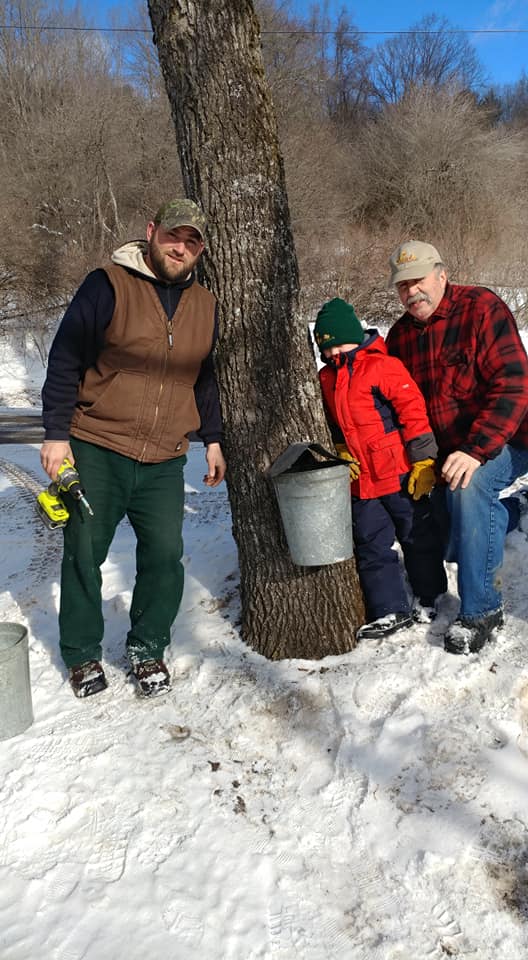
[216, 464]
[52, 453]
[458, 469]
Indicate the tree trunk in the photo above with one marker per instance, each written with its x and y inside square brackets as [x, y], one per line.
[226, 133]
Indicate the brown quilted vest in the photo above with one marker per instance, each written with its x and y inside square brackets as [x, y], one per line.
[139, 399]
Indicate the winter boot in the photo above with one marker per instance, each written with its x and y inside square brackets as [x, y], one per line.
[152, 677]
[467, 635]
[424, 610]
[384, 626]
[87, 678]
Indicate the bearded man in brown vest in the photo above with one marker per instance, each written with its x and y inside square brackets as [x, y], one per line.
[130, 376]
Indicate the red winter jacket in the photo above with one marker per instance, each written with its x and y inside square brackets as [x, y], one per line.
[374, 406]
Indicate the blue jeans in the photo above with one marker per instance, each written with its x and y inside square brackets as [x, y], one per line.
[478, 524]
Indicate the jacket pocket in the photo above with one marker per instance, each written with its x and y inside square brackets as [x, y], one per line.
[386, 456]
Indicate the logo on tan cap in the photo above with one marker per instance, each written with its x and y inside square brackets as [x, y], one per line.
[405, 257]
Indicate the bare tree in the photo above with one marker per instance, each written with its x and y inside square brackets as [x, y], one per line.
[87, 150]
[430, 164]
[83, 156]
[227, 138]
[289, 53]
[347, 64]
[514, 101]
[432, 54]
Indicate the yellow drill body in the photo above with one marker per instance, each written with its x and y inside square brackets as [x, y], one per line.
[50, 505]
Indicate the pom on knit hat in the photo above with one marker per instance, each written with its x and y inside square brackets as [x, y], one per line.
[337, 323]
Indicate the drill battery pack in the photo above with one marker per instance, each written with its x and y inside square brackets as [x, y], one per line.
[51, 509]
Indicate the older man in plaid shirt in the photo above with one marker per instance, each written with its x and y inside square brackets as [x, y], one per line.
[462, 347]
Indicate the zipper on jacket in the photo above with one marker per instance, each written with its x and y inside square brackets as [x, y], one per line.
[160, 391]
[170, 317]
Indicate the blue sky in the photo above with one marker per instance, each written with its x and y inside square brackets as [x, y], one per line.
[504, 56]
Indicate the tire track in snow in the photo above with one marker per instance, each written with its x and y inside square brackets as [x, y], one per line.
[45, 545]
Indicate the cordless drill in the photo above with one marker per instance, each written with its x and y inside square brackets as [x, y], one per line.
[50, 506]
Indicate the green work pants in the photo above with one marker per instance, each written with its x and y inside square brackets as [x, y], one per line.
[151, 496]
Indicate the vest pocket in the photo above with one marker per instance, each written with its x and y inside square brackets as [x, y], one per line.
[120, 405]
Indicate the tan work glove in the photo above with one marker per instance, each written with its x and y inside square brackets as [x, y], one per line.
[354, 468]
[422, 478]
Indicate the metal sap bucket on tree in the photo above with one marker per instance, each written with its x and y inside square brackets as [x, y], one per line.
[16, 709]
[314, 504]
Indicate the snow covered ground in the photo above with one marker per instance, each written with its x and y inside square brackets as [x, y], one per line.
[371, 806]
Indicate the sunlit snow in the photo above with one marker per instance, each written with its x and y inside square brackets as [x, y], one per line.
[371, 806]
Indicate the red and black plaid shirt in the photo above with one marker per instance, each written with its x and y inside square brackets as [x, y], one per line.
[472, 368]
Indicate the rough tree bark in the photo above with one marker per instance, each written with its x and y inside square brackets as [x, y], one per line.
[227, 139]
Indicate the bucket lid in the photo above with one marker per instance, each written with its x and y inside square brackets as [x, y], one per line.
[294, 452]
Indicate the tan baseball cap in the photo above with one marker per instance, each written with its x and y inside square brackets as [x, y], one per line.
[412, 260]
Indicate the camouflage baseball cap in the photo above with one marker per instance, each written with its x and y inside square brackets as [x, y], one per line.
[181, 213]
[412, 260]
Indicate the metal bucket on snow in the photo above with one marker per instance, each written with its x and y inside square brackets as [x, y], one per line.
[314, 503]
[16, 709]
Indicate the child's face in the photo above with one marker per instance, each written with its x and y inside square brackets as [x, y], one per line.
[342, 348]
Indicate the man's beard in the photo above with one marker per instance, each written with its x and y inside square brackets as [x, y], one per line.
[166, 269]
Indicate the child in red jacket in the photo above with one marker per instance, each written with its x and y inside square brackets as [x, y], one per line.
[378, 422]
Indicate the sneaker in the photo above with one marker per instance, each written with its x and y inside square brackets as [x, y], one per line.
[469, 635]
[87, 678]
[384, 626]
[424, 610]
[152, 677]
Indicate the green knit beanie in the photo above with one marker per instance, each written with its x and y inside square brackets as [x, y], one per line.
[337, 323]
